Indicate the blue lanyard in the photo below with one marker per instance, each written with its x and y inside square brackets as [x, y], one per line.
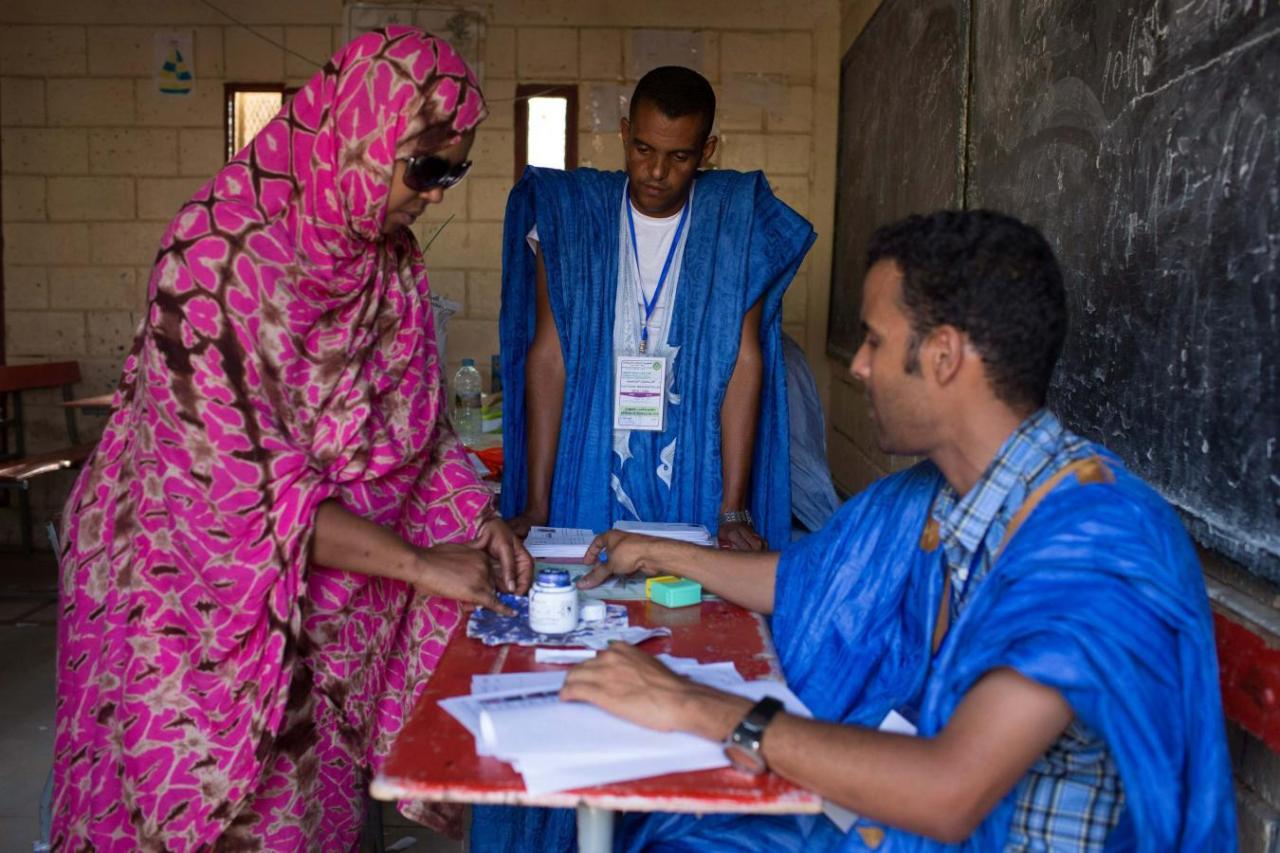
[649, 305]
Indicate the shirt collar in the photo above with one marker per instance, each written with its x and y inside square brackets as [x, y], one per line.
[966, 519]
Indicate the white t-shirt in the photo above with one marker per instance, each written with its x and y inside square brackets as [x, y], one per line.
[654, 236]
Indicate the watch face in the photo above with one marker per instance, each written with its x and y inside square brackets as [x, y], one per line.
[746, 760]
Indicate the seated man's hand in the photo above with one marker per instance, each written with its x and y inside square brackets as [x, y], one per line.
[618, 553]
[631, 684]
[739, 536]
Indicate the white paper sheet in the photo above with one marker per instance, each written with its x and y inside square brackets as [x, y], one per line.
[558, 541]
[561, 656]
[559, 775]
[512, 682]
[556, 745]
[695, 533]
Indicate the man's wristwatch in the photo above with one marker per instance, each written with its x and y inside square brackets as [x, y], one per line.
[735, 516]
[742, 747]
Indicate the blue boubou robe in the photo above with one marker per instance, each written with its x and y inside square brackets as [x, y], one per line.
[1098, 594]
[743, 247]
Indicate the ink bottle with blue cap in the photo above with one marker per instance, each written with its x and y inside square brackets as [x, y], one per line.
[553, 602]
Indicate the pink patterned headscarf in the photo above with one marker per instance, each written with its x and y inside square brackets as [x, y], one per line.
[211, 681]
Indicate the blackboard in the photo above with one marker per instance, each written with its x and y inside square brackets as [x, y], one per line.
[902, 92]
[1144, 138]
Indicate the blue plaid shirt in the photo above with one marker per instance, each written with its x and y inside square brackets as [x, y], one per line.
[1071, 798]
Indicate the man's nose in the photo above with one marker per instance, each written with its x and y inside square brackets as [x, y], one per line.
[859, 367]
[658, 168]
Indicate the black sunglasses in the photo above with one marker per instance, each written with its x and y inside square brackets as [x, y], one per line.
[426, 173]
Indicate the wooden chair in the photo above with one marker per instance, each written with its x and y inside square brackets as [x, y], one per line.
[18, 468]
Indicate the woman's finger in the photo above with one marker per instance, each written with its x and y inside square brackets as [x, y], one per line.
[504, 550]
[524, 571]
[490, 601]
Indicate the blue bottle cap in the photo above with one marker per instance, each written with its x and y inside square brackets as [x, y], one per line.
[555, 578]
[468, 362]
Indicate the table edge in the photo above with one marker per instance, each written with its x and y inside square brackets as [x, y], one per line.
[801, 801]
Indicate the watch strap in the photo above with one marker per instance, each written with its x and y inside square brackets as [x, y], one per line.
[749, 733]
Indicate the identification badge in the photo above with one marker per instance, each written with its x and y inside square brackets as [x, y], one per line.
[640, 395]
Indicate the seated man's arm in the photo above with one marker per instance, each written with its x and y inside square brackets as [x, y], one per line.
[742, 577]
[544, 404]
[941, 787]
[738, 415]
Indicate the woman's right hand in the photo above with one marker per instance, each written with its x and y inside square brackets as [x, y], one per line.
[460, 572]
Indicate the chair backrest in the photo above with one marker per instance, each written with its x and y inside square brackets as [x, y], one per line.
[17, 378]
[21, 377]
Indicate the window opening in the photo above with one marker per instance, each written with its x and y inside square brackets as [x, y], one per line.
[249, 107]
[546, 126]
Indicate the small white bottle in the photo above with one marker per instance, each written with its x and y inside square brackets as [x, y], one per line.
[553, 603]
[466, 396]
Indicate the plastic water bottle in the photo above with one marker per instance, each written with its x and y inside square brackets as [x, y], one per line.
[466, 397]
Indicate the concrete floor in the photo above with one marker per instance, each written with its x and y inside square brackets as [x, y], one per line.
[28, 618]
[27, 636]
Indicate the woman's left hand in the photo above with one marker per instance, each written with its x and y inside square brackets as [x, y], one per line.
[515, 566]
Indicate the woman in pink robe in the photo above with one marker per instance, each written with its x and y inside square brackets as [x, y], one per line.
[264, 559]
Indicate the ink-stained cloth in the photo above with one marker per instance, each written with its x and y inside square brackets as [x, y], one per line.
[743, 247]
[214, 687]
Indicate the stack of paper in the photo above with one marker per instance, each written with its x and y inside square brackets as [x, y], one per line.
[695, 533]
[558, 746]
[570, 542]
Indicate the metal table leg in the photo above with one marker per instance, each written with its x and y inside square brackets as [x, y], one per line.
[595, 830]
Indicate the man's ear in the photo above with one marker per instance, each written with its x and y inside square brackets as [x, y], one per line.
[624, 128]
[944, 353]
[708, 149]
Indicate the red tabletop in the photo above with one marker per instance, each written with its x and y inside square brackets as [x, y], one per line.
[434, 757]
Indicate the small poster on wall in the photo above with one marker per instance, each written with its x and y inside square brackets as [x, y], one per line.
[174, 63]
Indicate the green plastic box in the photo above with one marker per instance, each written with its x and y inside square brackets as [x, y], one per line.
[676, 593]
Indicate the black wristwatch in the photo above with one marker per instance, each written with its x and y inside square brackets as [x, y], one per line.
[742, 747]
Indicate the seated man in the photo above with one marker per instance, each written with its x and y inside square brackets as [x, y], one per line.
[677, 270]
[1031, 605]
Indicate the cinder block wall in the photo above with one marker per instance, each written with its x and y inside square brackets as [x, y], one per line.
[776, 90]
[95, 160]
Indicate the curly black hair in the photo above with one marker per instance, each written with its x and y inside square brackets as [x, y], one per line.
[677, 91]
[993, 278]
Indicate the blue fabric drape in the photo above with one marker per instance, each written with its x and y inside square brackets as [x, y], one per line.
[744, 246]
[813, 495]
[1099, 595]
